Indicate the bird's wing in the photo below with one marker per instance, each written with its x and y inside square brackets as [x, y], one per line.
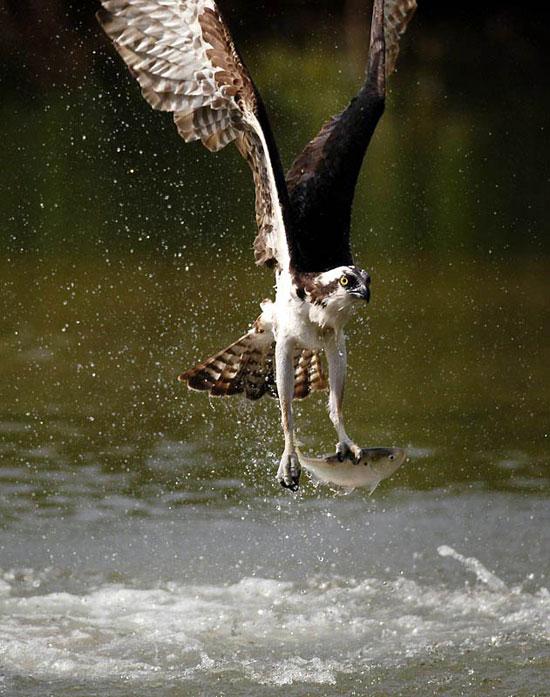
[183, 56]
[322, 180]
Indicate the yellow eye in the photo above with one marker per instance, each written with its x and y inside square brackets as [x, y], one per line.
[344, 281]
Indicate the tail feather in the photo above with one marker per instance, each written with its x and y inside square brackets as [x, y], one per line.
[247, 367]
[231, 371]
[309, 374]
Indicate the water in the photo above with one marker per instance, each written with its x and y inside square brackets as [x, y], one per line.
[145, 547]
[327, 602]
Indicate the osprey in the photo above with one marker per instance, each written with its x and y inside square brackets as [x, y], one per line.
[183, 56]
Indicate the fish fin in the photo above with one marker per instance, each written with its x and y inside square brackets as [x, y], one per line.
[372, 488]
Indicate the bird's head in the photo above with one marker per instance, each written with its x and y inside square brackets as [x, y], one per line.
[341, 286]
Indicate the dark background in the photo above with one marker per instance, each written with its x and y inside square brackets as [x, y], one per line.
[47, 42]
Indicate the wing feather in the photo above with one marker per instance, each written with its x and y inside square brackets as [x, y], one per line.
[323, 178]
[397, 15]
[185, 61]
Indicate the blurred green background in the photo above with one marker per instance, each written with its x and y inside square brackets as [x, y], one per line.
[458, 163]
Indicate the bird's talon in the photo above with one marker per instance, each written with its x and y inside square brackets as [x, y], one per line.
[342, 451]
[350, 451]
[289, 472]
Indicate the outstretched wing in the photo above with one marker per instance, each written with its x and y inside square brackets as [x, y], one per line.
[322, 180]
[185, 61]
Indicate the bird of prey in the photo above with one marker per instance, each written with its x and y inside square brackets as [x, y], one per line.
[182, 54]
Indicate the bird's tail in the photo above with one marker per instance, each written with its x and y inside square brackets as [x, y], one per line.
[247, 367]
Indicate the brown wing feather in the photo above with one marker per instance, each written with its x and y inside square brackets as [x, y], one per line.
[390, 21]
[397, 15]
[182, 55]
[323, 178]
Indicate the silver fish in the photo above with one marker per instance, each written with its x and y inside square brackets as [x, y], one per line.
[375, 465]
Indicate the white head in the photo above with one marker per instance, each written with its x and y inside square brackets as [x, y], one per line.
[341, 287]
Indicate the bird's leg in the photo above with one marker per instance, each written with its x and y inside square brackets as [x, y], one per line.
[337, 363]
[288, 474]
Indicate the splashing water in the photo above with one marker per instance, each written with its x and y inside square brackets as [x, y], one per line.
[258, 631]
[472, 564]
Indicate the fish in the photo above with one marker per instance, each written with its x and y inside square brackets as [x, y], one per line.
[375, 465]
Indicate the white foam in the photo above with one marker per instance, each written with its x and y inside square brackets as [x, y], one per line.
[269, 631]
[296, 670]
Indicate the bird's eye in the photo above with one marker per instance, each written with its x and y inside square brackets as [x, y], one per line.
[344, 281]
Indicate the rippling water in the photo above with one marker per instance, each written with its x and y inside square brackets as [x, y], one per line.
[260, 634]
[339, 594]
[145, 545]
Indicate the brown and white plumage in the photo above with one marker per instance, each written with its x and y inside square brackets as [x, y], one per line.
[397, 15]
[247, 366]
[184, 58]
